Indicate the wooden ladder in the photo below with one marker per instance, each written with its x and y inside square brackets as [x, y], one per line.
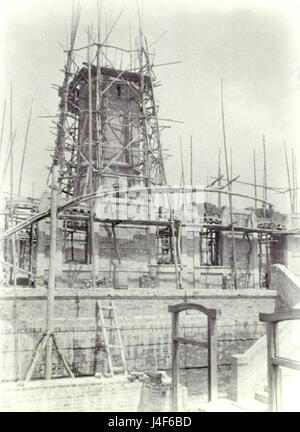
[109, 325]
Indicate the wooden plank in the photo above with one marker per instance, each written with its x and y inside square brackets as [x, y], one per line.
[119, 338]
[62, 357]
[174, 362]
[284, 362]
[293, 314]
[36, 355]
[213, 313]
[185, 340]
[212, 358]
[106, 344]
[272, 400]
[90, 160]
[277, 370]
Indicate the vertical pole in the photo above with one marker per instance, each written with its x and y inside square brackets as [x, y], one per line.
[90, 137]
[2, 129]
[229, 189]
[191, 157]
[288, 176]
[255, 181]
[98, 91]
[296, 186]
[231, 166]
[212, 359]
[219, 182]
[182, 165]
[274, 382]
[174, 362]
[57, 164]
[293, 180]
[192, 200]
[182, 182]
[13, 239]
[277, 370]
[24, 149]
[130, 53]
[51, 279]
[265, 172]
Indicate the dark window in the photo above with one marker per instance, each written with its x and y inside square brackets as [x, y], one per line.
[76, 241]
[165, 253]
[209, 248]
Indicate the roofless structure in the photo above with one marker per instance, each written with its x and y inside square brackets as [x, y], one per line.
[110, 227]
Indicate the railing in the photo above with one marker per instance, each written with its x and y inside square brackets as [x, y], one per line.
[275, 361]
[211, 346]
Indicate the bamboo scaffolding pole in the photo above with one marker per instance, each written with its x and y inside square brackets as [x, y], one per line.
[191, 160]
[254, 178]
[265, 169]
[296, 186]
[24, 149]
[275, 189]
[57, 165]
[13, 239]
[229, 190]
[182, 182]
[91, 184]
[2, 130]
[219, 180]
[293, 180]
[98, 87]
[7, 162]
[288, 176]
[192, 200]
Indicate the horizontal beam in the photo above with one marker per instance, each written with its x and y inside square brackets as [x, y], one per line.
[185, 340]
[212, 313]
[216, 227]
[293, 314]
[284, 362]
[95, 195]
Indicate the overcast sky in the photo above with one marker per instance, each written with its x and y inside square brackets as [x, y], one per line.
[253, 46]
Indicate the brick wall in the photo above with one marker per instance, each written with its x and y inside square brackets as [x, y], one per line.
[145, 327]
[79, 394]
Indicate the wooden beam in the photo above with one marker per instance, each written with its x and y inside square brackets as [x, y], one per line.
[284, 362]
[90, 153]
[175, 360]
[213, 313]
[293, 314]
[196, 342]
[24, 148]
[212, 358]
[254, 179]
[229, 190]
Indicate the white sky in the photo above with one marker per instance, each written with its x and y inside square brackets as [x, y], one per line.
[253, 46]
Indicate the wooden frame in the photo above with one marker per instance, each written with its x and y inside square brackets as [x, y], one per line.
[211, 346]
[274, 361]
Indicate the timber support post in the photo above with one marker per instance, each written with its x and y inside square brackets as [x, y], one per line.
[210, 345]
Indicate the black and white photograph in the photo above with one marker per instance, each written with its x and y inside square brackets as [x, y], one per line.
[149, 216]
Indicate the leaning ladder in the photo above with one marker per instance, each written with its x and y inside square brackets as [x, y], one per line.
[110, 324]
